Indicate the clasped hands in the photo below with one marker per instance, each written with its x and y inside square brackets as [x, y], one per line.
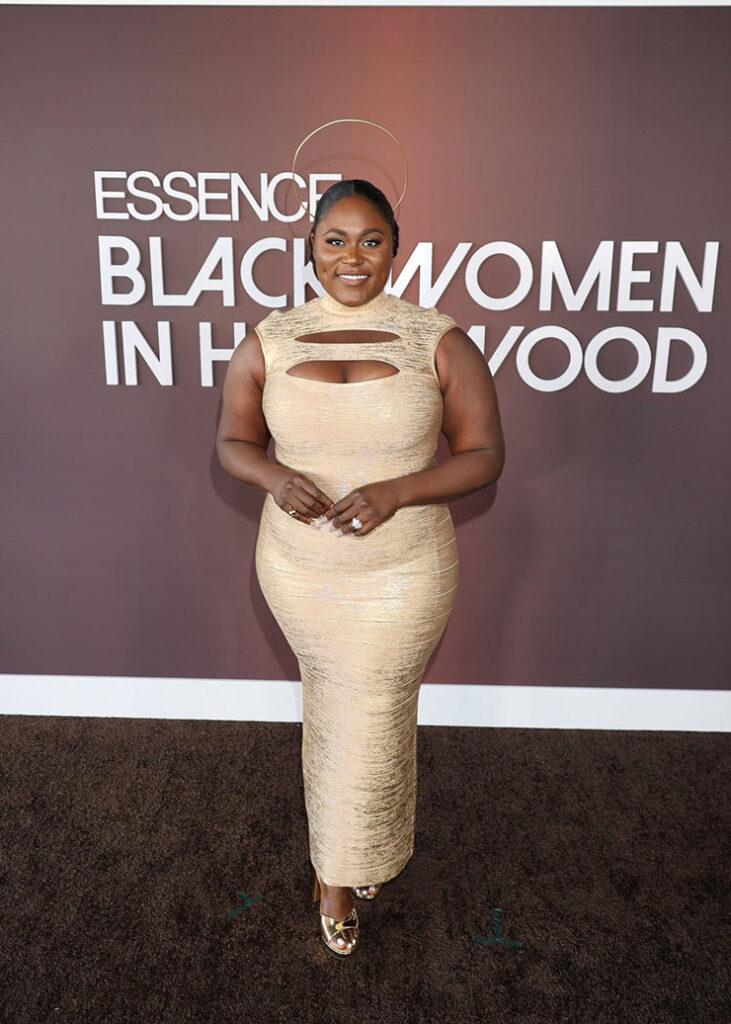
[371, 504]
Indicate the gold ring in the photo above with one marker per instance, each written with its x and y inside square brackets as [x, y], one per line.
[358, 120]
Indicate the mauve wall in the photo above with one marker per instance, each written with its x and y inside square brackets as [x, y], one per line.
[600, 557]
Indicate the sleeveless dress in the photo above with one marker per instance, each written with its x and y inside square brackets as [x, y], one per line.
[362, 614]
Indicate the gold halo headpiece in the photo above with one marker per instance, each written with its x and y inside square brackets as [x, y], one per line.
[343, 120]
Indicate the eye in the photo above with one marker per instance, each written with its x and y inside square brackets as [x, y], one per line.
[370, 242]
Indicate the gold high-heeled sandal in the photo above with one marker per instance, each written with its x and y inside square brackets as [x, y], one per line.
[364, 892]
[332, 929]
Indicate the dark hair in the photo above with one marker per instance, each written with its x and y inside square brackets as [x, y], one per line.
[352, 187]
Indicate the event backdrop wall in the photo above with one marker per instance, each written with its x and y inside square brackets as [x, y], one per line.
[567, 204]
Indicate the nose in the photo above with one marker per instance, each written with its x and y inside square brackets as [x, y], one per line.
[353, 255]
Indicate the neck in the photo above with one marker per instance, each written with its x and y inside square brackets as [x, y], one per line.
[331, 305]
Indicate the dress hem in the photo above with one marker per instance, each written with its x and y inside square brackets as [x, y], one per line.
[389, 874]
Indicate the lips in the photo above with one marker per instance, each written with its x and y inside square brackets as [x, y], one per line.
[353, 282]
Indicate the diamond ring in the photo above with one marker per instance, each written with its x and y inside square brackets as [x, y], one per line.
[356, 523]
[291, 511]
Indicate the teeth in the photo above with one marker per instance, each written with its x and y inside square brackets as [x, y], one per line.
[354, 277]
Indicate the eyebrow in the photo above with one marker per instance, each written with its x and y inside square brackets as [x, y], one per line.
[368, 231]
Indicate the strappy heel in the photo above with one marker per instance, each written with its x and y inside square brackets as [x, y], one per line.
[363, 892]
[332, 930]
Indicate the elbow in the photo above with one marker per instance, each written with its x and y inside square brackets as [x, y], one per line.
[493, 462]
[498, 464]
[222, 453]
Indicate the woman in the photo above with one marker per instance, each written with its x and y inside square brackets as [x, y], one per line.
[356, 553]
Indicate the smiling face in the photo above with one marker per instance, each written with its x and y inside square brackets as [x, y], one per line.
[353, 249]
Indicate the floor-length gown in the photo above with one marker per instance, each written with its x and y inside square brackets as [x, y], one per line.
[362, 614]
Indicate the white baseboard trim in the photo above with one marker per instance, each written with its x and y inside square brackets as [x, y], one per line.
[276, 700]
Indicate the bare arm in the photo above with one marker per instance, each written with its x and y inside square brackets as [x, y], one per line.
[243, 437]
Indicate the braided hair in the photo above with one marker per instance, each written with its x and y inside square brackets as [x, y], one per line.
[352, 187]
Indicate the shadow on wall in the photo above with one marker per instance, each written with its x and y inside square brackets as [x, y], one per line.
[247, 502]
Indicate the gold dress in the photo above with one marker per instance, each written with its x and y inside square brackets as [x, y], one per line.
[361, 614]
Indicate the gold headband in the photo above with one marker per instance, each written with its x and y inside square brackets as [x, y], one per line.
[343, 120]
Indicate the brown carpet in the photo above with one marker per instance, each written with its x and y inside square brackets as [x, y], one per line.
[131, 850]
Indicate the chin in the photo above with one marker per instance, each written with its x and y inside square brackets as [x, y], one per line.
[359, 293]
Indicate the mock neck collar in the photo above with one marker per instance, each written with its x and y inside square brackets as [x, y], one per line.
[331, 305]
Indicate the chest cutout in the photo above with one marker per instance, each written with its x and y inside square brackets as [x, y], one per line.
[347, 337]
[347, 371]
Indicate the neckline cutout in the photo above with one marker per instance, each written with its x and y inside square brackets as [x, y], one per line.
[394, 371]
[321, 337]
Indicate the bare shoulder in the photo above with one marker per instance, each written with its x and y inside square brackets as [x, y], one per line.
[458, 357]
[247, 362]
[242, 417]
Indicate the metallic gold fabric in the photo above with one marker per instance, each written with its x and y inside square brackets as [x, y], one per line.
[362, 615]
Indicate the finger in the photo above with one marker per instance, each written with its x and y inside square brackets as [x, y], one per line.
[314, 509]
[304, 505]
[294, 514]
[364, 530]
[347, 521]
[348, 530]
[302, 485]
[296, 508]
[335, 507]
[300, 499]
[317, 500]
[343, 511]
[346, 505]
